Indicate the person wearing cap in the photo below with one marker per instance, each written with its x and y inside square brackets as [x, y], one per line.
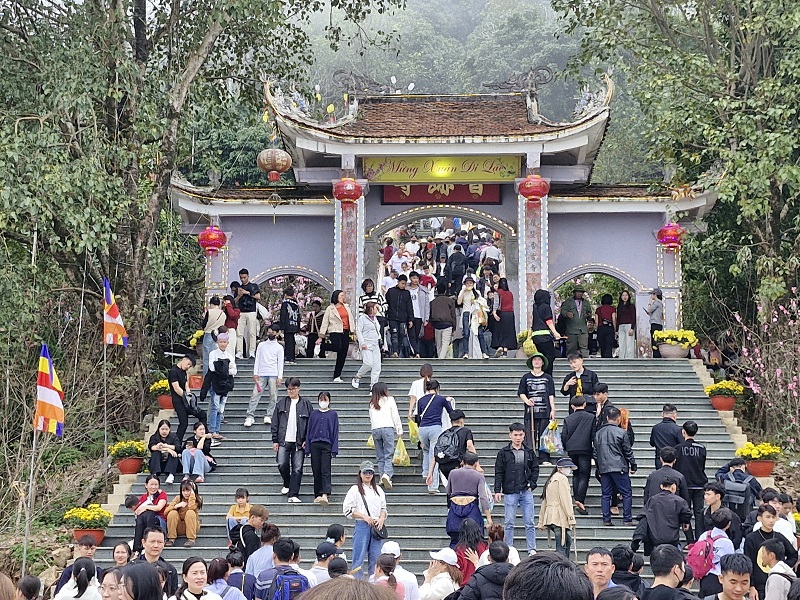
[576, 311]
[537, 391]
[516, 471]
[442, 577]
[325, 552]
[467, 497]
[655, 312]
[543, 328]
[365, 503]
[407, 578]
[556, 513]
[178, 390]
[218, 381]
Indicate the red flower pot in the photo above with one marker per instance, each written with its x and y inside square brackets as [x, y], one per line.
[131, 465]
[97, 534]
[164, 401]
[760, 468]
[195, 382]
[723, 402]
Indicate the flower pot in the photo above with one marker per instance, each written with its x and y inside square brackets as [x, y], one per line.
[164, 401]
[720, 402]
[672, 351]
[131, 465]
[760, 468]
[97, 534]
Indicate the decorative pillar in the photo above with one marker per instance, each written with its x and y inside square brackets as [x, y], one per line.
[348, 238]
[670, 275]
[532, 218]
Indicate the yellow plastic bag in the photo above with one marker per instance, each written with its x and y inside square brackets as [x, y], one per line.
[528, 347]
[370, 442]
[413, 432]
[401, 457]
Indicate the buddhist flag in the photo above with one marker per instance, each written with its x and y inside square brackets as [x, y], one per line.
[49, 414]
[114, 331]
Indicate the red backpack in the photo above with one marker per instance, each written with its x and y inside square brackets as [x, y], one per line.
[701, 556]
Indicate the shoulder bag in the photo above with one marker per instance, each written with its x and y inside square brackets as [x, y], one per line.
[378, 533]
[418, 416]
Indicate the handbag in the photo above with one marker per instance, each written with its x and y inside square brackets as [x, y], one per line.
[378, 533]
[418, 417]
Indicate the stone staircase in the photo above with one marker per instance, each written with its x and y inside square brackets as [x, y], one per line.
[486, 391]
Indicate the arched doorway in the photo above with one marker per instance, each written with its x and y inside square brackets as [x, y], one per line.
[308, 286]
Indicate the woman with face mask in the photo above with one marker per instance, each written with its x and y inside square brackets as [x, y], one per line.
[557, 512]
[322, 443]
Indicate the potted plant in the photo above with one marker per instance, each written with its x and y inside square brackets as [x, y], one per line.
[674, 343]
[161, 389]
[129, 455]
[760, 457]
[723, 394]
[92, 520]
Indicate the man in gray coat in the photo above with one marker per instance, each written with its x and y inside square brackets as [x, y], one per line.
[615, 462]
[576, 311]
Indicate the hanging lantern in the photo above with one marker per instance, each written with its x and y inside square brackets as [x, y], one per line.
[211, 239]
[533, 188]
[347, 189]
[671, 236]
[274, 161]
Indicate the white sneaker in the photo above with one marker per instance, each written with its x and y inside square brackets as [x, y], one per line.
[215, 443]
[355, 382]
[240, 357]
[170, 478]
[284, 490]
[248, 422]
[386, 482]
[295, 500]
[267, 420]
[338, 380]
[531, 552]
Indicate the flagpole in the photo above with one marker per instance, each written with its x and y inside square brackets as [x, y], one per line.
[30, 502]
[105, 405]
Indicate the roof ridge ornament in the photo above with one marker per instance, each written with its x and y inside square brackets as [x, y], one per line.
[293, 105]
[590, 102]
[530, 82]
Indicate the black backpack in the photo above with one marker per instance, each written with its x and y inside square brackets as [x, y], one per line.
[738, 494]
[448, 446]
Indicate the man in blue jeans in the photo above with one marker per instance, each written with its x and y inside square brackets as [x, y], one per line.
[516, 470]
[615, 464]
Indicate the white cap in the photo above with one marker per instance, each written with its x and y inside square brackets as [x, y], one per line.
[446, 555]
[391, 548]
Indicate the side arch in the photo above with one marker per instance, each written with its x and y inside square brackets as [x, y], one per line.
[634, 284]
[315, 276]
[376, 233]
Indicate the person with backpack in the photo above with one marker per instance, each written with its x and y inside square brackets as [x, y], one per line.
[467, 497]
[767, 515]
[282, 582]
[781, 575]
[451, 446]
[365, 503]
[537, 391]
[428, 415]
[713, 496]
[705, 555]
[741, 488]
[244, 537]
[217, 581]
[237, 578]
[516, 471]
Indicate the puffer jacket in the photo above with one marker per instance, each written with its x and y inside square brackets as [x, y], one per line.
[612, 450]
[487, 582]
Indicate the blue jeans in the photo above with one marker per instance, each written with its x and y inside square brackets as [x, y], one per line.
[195, 465]
[234, 522]
[621, 482]
[208, 345]
[364, 546]
[525, 501]
[565, 547]
[427, 437]
[216, 406]
[290, 465]
[384, 449]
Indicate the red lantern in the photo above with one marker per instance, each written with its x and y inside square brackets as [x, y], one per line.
[671, 236]
[211, 239]
[347, 189]
[533, 188]
[274, 161]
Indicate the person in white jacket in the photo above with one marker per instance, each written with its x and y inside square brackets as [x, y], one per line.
[368, 334]
[267, 370]
[442, 577]
[83, 584]
[385, 424]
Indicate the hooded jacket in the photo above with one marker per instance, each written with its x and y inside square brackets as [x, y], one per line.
[487, 582]
[541, 313]
[290, 315]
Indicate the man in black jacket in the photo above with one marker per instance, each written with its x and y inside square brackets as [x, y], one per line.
[579, 381]
[290, 324]
[615, 462]
[666, 514]
[667, 471]
[288, 428]
[487, 581]
[400, 314]
[516, 471]
[667, 432]
[577, 435]
[691, 462]
[456, 269]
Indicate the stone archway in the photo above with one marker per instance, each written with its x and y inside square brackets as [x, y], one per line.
[293, 270]
[375, 234]
[634, 284]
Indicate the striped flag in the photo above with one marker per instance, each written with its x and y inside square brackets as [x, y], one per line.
[49, 414]
[114, 331]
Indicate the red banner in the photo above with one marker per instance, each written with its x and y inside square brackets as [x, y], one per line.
[439, 193]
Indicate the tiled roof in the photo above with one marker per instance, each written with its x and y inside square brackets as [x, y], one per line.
[484, 115]
[610, 191]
